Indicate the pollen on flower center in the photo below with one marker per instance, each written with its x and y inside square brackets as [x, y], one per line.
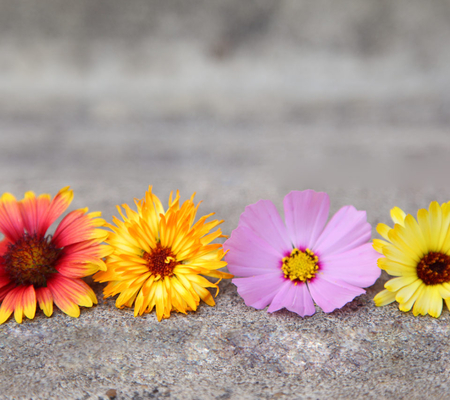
[161, 261]
[434, 268]
[30, 260]
[300, 265]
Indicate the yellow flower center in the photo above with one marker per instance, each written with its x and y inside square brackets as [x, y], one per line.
[30, 260]
[300, 265]
[161, 261]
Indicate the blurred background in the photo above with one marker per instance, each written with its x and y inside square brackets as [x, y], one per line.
[226, 98]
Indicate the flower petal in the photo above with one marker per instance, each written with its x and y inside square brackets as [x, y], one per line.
[357, 267]
[265, 221]
[11, 222]
[398, 215]
[9, 303]
[34, 211]
[305, 214]
[77, 226]
[346, 230]
[29, 302]
[45, 299]
[259, 291]
[295, 298]
[249, 255]
[383, 298]
[63, 299]
[58, 205]
[331, 293]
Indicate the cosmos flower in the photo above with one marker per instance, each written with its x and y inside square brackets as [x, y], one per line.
[290, 265]
[417, 253]
[45, 269]
[159, 255]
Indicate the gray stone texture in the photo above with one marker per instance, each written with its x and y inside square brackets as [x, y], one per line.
[238, 101]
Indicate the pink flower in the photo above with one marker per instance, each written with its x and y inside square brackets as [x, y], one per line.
[293, 263]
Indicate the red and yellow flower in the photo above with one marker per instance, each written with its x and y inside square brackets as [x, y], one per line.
[36, 268]
[159, 255]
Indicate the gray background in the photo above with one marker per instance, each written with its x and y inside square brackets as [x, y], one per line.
[238, 101]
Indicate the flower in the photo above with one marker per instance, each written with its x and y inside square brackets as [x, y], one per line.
[159, 255]
[293, 263]
[417, 253]
[45, 269]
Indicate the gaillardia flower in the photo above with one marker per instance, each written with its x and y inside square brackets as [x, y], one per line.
[159, 255]
[290, 265]
[46, 269]
[417, 253]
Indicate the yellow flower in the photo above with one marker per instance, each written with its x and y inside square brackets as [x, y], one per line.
[159, 255]
[417, 253]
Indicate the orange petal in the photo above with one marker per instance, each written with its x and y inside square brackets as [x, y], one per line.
[11, 222]
[29, 302]
[58, 205]
[77, 226]
[45, 299]
[9, 303]
[63, 300]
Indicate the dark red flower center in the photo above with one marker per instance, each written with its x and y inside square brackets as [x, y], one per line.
[30, 260]
[161, 261]
[434, 268]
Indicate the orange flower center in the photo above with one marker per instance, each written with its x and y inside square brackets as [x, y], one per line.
[161, 261]
[30, 260]
[434, 268]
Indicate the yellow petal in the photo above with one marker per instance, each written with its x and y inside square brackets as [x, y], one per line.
[383, 298]
[378, 245]
[404, 294]
[435, 303]
[435, 216]
[415, 231]
[423, 219]
[395, 254]
[396, 284]
[421, 305]
[398, 215]
[383, 230]
[406, 306]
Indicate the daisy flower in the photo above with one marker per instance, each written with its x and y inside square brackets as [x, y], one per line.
[36, 268]
[417, 253]
[159, 255]
[304, 260]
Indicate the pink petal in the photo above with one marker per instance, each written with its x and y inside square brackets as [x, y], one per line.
[258, 291]
[295, 298]
[330, 293]
[263, 219]
[346, 230]
[305, 214]
[357, 267]
[249, 255]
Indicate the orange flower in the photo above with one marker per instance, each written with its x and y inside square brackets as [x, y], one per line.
[35, 268]
[159, 257]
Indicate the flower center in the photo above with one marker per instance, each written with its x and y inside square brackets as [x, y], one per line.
[300, 265]
[161, 261]
[31, 260]
[434, 268]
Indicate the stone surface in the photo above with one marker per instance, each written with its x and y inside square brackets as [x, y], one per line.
[237, 101]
